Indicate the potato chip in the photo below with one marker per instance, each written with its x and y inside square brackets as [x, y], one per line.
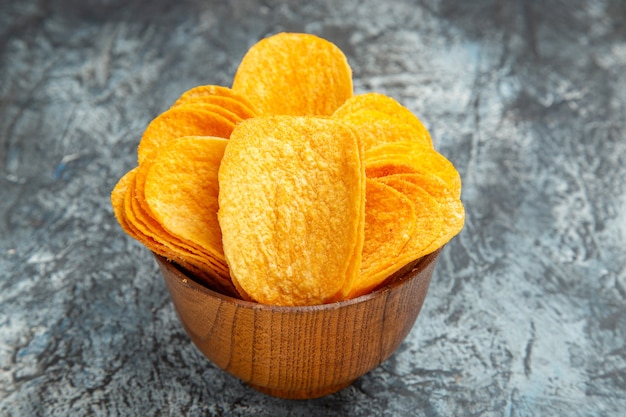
[143, 230]
[428, 223]
[153, 226]
[292, 208]
[376, 128]
[132, 220]
[387, 105]
[152, 234]
[138, 225]
[406, 157]
[183, 120]
[390, 220]
[220, 96]
[294, 74]
[452, 210]
[118, 195]
[286, 189]
[181, 190]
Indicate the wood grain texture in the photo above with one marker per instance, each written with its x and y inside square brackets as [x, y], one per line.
[299, 352]
[525, 311]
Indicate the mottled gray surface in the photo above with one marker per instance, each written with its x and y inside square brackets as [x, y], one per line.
[526, 312]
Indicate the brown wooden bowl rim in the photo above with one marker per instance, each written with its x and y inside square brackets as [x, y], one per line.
[399, 278]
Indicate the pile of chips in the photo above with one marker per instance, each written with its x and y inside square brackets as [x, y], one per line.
[287, 189]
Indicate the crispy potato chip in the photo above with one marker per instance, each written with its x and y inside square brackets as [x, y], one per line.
[183, 120]
[118, 195]
[181, 191]
[150, 232]
[220, 96]
[452, 211]
[390, 220]
[430, 182]
[376, 128]
[136, 224]
[318, 196]
[214, 108]
[428, 223]
[387, 105]
[147, 221]
[292, 208]
[406, 157]
[294, 74]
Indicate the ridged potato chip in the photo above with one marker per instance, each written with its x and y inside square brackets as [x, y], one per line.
[294, 74]
[118, 196]
[441, 231]
[161, 241]
[292, 208]
[137, 221]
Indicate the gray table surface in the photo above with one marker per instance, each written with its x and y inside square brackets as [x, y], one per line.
[526, 311]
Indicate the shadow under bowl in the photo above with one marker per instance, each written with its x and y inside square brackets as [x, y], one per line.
[300, 352]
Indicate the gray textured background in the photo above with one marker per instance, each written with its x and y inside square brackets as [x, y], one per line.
[526, 311]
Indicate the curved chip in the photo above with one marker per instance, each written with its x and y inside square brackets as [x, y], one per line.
[221, 96]
[184, 120]
[294, 74]
[406, 157]
[428, 223]
[117, 199]
[387, 105]
[139, 223]
[390, 220]
[181, 190]
[452, 210]
[292, 207]
[152, 225]
[376, 128]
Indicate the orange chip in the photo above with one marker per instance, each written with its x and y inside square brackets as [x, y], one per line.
[118, 195]
[452, 211]
[428, 223]
[286, 189]
[221, 96]
[390, 220]
[387, 105]
[376, 128]
[183, 120]
[406, 157]
[430, 182]
[147, 221]
[181, 191]
[149, 232]
[292, 208]
[138, 225]
[294, 74]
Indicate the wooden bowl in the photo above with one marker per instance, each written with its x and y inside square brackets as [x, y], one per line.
[300, 352]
